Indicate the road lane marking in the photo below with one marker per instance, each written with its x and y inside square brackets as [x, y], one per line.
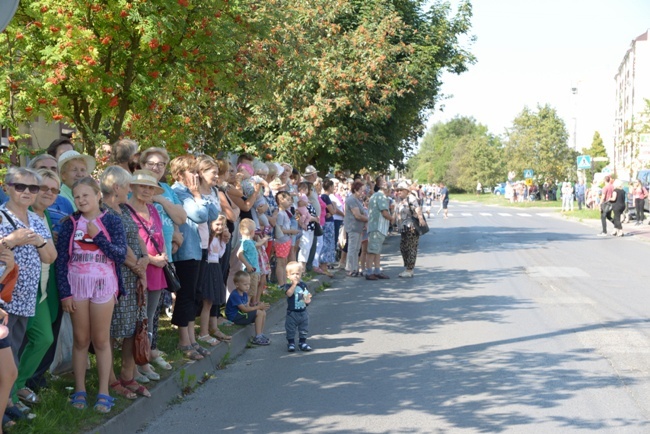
[487, 214]
[523, 214]
[505, 214]
[466, 214]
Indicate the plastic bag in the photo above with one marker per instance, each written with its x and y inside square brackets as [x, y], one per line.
[62, 362]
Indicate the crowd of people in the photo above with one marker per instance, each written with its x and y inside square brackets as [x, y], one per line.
[96, 251]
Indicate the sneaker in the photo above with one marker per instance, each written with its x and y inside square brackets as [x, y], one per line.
[602, 234]
[305, 347]
[406, 273]
[372, 277]
[260, 340]
[291, 348]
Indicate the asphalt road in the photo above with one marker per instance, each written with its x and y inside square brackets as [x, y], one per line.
[515, 322]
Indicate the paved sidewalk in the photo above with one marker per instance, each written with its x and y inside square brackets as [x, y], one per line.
[142, 410]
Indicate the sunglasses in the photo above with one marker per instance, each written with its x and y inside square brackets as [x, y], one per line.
[33, 189]
[45, 188]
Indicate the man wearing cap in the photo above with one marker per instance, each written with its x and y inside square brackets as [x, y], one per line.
[72, 167]
[311, 175]
[378, 221]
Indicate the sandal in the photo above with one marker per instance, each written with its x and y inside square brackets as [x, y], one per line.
[190, 353]
[222, 336]
[28, 396]
[7, 422]
[199, 349]
[162, 363]
[209, 340]
[135, 387]
[119, 388]
[224, 322]
[78, 400]
[149, 373]
[104, 403]
[353, 274]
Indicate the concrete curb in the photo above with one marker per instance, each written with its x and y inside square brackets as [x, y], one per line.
[142, 410]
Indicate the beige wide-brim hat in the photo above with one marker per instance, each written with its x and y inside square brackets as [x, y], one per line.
[146, 177]
[68, 156]
[310, 170]
[403, 186]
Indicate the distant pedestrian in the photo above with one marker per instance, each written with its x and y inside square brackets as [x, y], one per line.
[580, 194]
[605, 205]
[618, 206]
[479, 188]
[444, 198]
[639, 193]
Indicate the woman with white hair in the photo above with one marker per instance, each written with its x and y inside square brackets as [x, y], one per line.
[114, 185]
[618, 206]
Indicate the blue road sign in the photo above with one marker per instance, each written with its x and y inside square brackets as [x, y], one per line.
[528, 173]
[584, 162]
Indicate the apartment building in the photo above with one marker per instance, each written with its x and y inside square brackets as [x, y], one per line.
[631, 142]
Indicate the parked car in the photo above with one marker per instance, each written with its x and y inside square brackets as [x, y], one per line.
[500, 189]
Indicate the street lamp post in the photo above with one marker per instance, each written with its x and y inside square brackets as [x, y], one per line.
[574, 92]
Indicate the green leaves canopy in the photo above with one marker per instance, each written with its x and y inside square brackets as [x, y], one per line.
[538, 140]
[332, 82]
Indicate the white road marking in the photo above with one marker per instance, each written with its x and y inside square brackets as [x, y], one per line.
[523, 214]
[486, 214]
[466, 214]
[505, 214]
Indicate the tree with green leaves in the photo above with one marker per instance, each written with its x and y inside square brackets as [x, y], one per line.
[328, 82]
[538, 140]
[597, 149]
[460, 153]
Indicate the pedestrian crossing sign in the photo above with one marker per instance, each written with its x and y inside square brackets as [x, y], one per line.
[584, 162]
[528, 173]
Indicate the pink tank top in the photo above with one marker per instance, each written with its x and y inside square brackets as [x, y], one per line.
[90, 272]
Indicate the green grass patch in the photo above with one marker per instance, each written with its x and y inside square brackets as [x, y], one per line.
[54, 415]
[583, 214]
[493, 199]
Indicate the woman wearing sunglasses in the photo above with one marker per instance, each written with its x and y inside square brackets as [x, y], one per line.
[39, 327]
[25, 233]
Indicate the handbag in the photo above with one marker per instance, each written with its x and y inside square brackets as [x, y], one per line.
[9, 283]
[141, 344]
[606, 207]
[420, 229]
[173, 283]
[318, 230]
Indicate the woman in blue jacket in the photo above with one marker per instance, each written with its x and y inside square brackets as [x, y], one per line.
[187, 258]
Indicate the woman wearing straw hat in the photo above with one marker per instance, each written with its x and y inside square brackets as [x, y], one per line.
[144, 186]
[408, 207]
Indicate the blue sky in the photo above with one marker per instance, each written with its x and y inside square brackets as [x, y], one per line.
[533, 52]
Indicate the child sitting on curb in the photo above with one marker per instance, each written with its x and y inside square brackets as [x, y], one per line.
[298, 297]
[241, 313]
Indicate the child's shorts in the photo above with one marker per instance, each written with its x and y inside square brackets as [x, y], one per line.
[282, 250]
[96, 297]
[244, 318]
[4, 343]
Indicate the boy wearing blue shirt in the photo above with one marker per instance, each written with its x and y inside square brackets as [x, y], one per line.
[298, 297]
[240, 312]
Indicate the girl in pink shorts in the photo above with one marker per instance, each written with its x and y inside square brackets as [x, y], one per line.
[91, 247]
